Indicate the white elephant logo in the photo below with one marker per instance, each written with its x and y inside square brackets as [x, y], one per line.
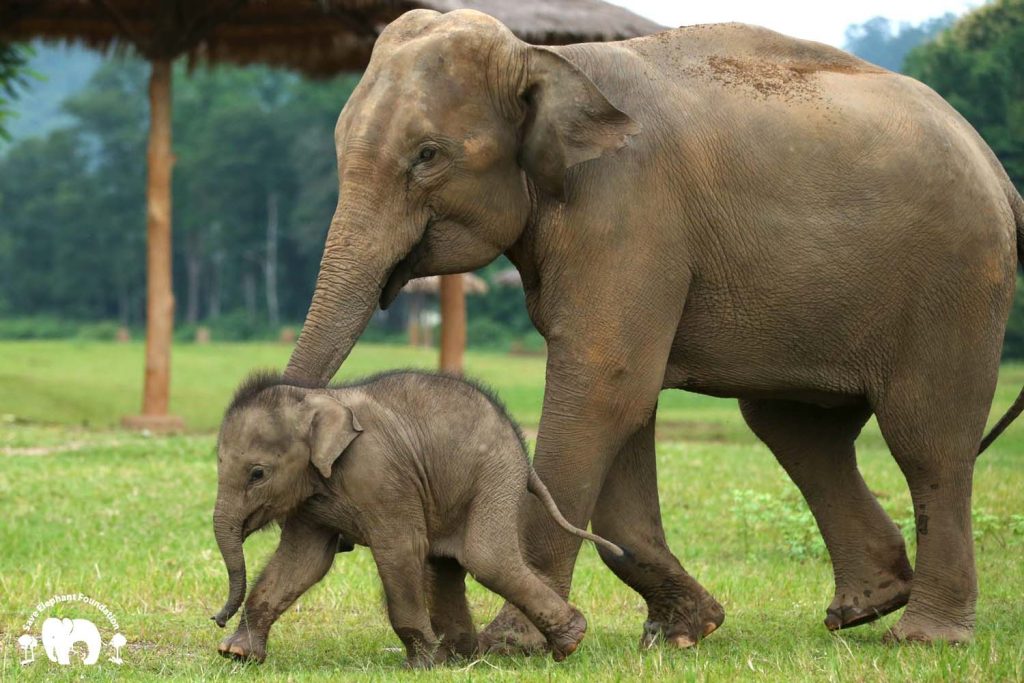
[60, 636]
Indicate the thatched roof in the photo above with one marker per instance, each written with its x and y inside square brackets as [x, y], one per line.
[509, 277]
[558, 22]
[431, 284]
[318, 37]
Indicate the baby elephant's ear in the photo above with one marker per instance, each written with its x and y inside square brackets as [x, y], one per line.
[332, 429]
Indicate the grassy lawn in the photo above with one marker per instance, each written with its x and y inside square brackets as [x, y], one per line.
[125, 518]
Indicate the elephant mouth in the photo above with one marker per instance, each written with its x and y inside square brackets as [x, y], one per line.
[402, 272]
[399, 277]
[255, 521]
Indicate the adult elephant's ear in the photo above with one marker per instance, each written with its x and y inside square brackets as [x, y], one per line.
[332, 428]
[568, 121]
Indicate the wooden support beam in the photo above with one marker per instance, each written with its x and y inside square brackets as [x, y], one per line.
[159, 293]
[453, 323]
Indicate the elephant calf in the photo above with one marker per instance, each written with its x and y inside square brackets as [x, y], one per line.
[427, 470]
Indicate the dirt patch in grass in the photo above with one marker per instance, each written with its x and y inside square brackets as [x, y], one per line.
[694, 430]
[56, 449]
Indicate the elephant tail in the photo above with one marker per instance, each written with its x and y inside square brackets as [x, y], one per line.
[535, 486]
[1017, 204]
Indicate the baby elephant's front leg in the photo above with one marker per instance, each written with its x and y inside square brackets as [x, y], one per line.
[303, 556]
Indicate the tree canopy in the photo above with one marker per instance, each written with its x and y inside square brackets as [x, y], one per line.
[245, 139]
[883, 42]
[14, 75]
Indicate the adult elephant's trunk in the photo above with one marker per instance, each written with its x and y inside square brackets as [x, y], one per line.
[228, 529]
[353, 272]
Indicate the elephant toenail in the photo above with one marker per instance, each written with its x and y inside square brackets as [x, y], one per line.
[681, 641]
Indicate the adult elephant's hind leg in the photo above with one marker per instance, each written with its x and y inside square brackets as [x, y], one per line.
[628, 513]
[933, 425]
[816, 448]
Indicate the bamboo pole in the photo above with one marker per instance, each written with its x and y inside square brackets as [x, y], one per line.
[159, 292]
[453, 323]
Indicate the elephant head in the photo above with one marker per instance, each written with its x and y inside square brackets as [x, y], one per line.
[276, 445]
[454, 129]
[60, 635]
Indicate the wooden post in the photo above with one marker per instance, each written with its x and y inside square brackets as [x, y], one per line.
[159, 293]
[413, 324]
[453, 323]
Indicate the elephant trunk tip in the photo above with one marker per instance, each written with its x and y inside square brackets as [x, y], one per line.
[222, 617]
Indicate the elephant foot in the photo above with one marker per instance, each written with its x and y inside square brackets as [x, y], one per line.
[682, 628]
[565, 641]
[915, 629]
[424, 660]
[511, 633]
[872, 599]
[459, 645]
[243, 645]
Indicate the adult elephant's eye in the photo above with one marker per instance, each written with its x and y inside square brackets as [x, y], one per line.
[427, 153]
[255, 475]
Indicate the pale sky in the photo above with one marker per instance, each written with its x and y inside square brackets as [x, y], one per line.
[821, 20]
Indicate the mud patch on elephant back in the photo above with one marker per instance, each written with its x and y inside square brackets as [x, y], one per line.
[769, 79]
[784, 79]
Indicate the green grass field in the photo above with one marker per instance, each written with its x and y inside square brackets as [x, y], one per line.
[125, 518]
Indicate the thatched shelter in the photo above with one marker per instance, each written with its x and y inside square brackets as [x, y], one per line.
[317, 37]
[433, 285]
[471, 284]
[510, 278]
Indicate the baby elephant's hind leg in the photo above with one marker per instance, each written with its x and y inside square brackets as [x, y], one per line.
[449, 611]
[493, 557]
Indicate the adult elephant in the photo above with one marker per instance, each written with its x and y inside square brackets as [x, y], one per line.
[720, 209]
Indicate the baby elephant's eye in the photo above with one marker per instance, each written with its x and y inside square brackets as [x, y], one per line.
[256, 474]
[427, 153]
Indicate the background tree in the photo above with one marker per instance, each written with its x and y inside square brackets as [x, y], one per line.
[14, 75]
[883, 42]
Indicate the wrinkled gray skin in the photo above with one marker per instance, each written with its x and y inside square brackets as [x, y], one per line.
[426, 470]
[720, 209]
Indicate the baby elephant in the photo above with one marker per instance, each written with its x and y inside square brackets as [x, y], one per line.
[427, 470]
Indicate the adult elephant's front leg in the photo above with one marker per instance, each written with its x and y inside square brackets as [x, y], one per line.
[594, 400]
[628, 513]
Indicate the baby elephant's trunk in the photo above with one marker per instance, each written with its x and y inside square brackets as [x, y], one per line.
[535, 486]
[229, 538]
